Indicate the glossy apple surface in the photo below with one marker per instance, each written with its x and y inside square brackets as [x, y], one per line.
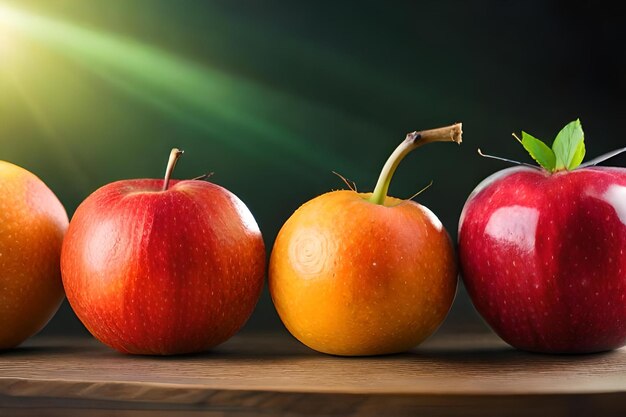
[543, 257]
[163, 272]
[32, 225]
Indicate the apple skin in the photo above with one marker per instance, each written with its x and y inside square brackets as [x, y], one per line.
[32, 225]
[163, 272]
[543, 257]
[350, 277]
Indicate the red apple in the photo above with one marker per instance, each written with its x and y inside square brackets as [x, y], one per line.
[163, 267]
[543, 250]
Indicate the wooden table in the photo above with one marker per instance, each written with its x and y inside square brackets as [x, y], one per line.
[471, 374]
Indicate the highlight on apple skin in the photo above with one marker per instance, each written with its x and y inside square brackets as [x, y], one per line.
[32, 225]
[364, 273]
[543, 250]
[163, 266]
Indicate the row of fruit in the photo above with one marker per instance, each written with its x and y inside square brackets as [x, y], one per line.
[176, 266]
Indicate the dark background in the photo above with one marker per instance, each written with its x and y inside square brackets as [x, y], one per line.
[274, 95]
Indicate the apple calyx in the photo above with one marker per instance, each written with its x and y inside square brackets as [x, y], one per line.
[567, 152]
[175, 153]
[413, 140]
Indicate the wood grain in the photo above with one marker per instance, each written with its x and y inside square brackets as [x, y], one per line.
[470, 374]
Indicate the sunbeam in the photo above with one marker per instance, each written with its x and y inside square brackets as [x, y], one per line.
[203, 97]
[49, 133]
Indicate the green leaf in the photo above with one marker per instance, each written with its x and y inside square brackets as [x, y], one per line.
[579, 155]
[539, 151]
[569, 146]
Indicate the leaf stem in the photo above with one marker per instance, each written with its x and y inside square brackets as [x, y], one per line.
[602, 158]
[512, 161]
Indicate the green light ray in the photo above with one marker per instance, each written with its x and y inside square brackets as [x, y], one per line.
[65, 159]
[194, 94]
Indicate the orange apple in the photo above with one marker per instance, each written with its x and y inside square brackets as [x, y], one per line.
[363, 273]
[32, 225]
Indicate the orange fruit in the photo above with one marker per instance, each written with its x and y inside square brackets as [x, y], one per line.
[364, 274]
[32, 225]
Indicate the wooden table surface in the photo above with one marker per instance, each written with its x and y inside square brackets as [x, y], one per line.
[272, 374]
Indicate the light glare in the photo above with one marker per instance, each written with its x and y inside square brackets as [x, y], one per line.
[7, 38]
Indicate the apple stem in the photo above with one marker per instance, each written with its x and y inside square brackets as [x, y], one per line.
[171, 163]
[412, 141]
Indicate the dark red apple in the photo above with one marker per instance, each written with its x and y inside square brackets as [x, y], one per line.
[543, 251]
[163, 267]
